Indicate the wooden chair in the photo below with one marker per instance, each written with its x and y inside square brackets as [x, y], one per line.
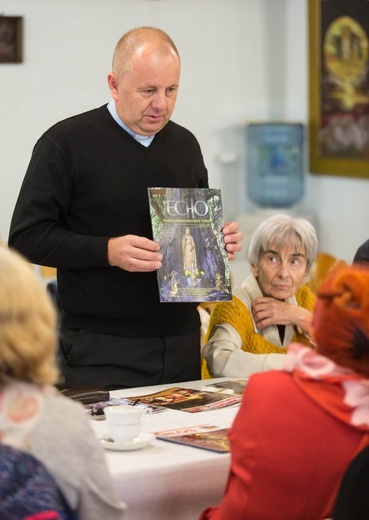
[324, 262]
[47, 272]
[205, 309]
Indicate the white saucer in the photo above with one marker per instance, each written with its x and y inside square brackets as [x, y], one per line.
[135, 444]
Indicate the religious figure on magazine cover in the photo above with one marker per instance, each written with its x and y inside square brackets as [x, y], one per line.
[189, 253]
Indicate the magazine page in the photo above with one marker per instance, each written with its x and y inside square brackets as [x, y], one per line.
[187, 223]
[187, 399]
[234, 387]
[207, 437]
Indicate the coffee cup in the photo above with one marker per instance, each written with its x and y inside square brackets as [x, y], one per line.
[124, 423]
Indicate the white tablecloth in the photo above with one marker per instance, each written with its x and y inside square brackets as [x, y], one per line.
[167, 481]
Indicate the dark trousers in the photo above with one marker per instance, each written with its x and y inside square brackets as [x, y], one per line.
[113, 362]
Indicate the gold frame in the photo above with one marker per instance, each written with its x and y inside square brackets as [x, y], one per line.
[331, 162]
[11, 39]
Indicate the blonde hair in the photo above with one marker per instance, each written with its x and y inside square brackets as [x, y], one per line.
[130, 42]
[27, 324]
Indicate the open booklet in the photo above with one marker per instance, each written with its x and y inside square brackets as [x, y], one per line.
[206, 437]
[187, 399]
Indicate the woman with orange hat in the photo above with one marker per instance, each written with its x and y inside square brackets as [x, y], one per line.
[298, 428]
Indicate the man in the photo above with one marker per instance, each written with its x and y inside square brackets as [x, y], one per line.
[83, 208]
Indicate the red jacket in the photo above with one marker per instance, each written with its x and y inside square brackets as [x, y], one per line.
[288, 454]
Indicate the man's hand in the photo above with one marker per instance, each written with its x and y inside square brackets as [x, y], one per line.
[133, 253]
[268, 311]
[232, 237]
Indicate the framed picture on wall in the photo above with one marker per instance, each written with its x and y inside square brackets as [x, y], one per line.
[339, 87]
[11, 28]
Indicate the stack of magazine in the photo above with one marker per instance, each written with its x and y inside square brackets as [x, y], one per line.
[189, 399]
[212, 396]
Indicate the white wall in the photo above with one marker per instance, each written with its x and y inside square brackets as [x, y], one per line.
[241, 60]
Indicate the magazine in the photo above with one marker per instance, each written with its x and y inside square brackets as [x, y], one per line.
[206, 437]
[187, 223]
[232, 387]
[187, 399]
[96, 410]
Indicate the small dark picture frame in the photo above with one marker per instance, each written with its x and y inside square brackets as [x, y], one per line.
[11, 29]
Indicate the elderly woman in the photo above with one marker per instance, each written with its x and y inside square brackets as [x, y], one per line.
[298, 428]
[271, 308]
[34, 417]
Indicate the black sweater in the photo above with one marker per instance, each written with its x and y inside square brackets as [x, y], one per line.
[86, 182]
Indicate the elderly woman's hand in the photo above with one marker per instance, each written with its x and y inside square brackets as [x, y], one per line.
[268, 311]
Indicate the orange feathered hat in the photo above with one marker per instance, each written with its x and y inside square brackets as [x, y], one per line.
[340, 325]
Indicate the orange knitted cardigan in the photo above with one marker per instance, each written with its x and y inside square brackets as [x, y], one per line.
[236, 314]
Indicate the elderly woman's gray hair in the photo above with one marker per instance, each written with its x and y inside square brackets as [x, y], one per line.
[282, 231]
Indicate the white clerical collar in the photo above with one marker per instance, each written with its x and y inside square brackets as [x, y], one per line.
[145, 140]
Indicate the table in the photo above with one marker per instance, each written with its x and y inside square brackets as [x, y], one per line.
[167, 481]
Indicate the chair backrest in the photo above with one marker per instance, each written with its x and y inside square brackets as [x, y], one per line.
[27, 490]
[352, 502]
[321, 267]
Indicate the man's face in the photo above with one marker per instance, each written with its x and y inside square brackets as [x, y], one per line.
[145, 95]
[281, 271]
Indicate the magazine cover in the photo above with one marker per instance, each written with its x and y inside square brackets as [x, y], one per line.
[206, 437]
[187, 223]
[187, 399]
